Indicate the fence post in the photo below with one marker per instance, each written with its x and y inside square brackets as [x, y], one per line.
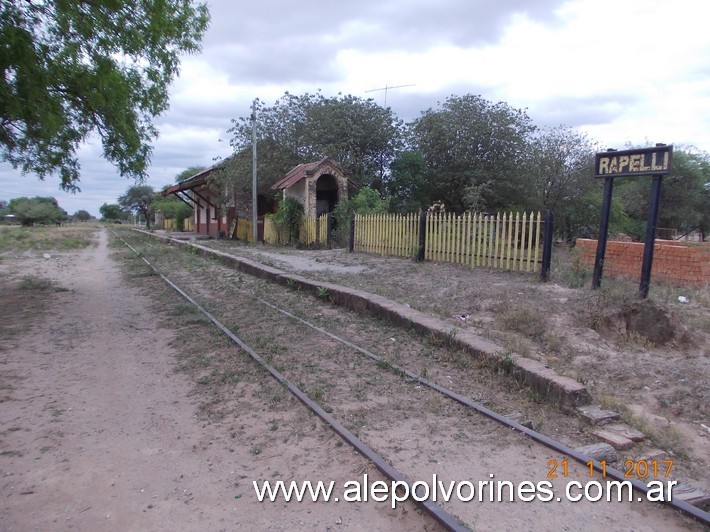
[329, 230]
[547, 246]
[351, 239]
[422, 236]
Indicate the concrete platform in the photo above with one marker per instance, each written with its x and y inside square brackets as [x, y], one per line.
[180, 235]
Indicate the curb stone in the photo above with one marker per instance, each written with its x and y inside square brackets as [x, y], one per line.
[558, 389]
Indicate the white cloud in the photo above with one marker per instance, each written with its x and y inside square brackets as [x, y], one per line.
[630, 71]
[642, 54]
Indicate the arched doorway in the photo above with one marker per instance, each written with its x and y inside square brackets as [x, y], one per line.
[326, 194]
[318, 186]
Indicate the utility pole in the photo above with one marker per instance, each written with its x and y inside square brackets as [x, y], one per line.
[254, 204]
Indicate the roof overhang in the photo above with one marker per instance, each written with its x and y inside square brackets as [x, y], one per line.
[199, 180]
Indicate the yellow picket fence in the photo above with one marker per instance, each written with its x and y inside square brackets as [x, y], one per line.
[387, 234]
[244, 230]
[323, 223]
[169, 224]
[272, 235]
[307, 234]
[508, 241]
[312, 231]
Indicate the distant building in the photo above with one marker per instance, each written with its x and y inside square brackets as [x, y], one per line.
[209, 217]
[215, 211]
[319, 186]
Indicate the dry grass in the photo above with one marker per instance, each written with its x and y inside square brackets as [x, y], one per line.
[31, 282]
[72, 236]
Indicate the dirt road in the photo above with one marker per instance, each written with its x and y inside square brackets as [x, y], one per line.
[98, 431]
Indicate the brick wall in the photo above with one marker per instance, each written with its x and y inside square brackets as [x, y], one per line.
[682, 263]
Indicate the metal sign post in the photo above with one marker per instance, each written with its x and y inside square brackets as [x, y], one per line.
[254, 202]
[603, 232]
[655, 162]
[650, 241]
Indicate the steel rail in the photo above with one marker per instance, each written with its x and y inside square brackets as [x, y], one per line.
[680, 505]
[448, 521]
[615, 474]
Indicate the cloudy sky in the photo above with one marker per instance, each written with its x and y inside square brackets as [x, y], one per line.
[622, 71]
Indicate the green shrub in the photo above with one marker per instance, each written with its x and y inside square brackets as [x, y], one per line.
[288, 218]
[577, 274]
[366, 201]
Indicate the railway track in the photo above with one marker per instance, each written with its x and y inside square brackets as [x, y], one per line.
[313, 366]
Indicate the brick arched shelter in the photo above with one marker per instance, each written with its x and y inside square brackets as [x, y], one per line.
[318, 186]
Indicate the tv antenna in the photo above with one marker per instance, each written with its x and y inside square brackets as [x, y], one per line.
[387, 88]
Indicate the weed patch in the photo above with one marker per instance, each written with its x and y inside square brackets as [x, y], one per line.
[38, 284]
[526, 321]
[576, 274]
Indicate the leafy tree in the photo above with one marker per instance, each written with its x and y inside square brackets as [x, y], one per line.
[685, 195]
[82, 215]
[73, 67]
[359, 134]
[582, 221]
[558, 174]
[472, 149]
[30, 211]
[233, 175]
[172, 209]
[366, 201]
[111, 211]
[559, 166]
[138, 199]
[406, 185]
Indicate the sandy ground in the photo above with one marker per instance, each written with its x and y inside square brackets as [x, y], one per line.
[99, 432]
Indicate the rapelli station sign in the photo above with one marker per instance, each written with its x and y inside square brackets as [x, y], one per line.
[654, 162]
[645, 161]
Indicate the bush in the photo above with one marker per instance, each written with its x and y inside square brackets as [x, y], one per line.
[288, 218]
[577, 274]
[173, 209]
[366, 201]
